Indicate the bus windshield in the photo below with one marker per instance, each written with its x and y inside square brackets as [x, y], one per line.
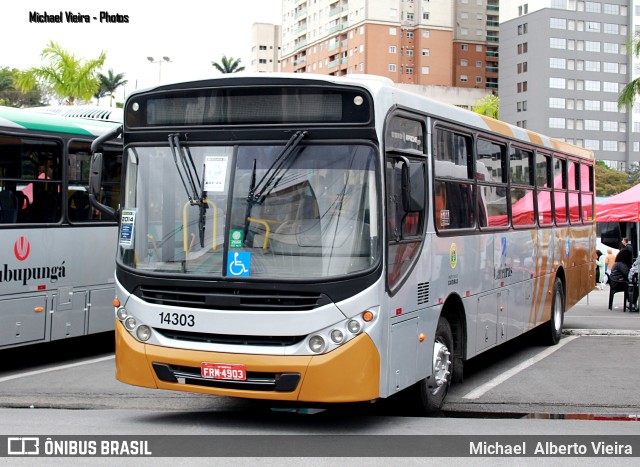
[304, 214]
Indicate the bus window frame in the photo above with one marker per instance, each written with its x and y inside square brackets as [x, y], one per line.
[108, 147]
[548, 189]
[531, 187]
[439, 125]
[394, 153]
[590, 191]
[564, 184]
[575, 191]
[504, 184]
[59, 142]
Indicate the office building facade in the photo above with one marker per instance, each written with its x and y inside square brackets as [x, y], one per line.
[562, 66]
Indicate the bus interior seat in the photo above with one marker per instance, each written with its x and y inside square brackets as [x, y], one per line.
[23, 207]
[79, 206]
[8, 207]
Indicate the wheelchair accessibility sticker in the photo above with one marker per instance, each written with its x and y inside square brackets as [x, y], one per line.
[238, 263]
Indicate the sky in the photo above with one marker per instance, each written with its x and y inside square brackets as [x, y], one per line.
[192, 33]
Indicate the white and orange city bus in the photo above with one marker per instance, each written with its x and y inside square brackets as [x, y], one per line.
[323, 239]
[56, 252]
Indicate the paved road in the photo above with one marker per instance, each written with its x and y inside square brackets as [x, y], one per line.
[592, 313]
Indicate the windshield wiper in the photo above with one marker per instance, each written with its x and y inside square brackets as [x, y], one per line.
[275, 172]
[188, 174]
[190, 180]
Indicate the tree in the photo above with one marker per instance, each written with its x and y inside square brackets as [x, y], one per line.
[610, 182]
[11, 96]
[627, 96]
[109, 83]
[228, 65]
[68, 77]
[488, 106]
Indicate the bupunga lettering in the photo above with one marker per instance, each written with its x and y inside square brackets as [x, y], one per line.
[53, 273]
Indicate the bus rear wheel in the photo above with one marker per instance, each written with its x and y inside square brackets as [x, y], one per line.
[552, 330]
[433, 389]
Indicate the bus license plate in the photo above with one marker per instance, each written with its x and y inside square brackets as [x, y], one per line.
[223, 371]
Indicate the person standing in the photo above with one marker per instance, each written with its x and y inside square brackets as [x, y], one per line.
[599, 269]
[609, 261]
[626, 244]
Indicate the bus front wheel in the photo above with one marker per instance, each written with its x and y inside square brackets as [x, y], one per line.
[434, 388]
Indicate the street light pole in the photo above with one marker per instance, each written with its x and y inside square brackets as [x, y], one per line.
[159, 62]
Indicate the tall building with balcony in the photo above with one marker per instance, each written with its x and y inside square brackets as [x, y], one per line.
[421, 42]
[563, 64]
[265, 47]
[475, 44]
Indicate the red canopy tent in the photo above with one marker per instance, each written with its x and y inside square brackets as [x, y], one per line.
[623, 207]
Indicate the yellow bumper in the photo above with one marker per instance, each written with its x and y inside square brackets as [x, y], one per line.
[348, 374]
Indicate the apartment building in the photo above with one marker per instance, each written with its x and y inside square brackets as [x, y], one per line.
[265, 48]
[562, 66]
[420, 42]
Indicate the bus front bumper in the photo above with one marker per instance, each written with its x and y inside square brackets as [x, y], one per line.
[348, 374]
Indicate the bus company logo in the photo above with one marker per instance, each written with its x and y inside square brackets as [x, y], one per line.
[21, 248]
[453, 256]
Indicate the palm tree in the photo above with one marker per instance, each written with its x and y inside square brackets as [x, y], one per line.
[109, 83]
[627, 97]
[228, 65]
[68, 77]
[488, 106]
[99, 94]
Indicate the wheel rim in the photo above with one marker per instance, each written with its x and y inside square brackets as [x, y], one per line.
[557, 312]
[441, 365]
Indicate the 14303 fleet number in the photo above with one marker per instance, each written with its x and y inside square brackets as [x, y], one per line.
[178, 319]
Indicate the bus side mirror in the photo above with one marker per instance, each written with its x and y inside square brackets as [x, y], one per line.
[413, 185]
[95, 184]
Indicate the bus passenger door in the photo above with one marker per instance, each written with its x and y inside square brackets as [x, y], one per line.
[68, 317]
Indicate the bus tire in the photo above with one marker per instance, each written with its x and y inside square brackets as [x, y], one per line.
[552, 330]
[434, 388]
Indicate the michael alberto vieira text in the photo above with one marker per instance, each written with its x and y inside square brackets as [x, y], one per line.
[71, 17]
[550, 448]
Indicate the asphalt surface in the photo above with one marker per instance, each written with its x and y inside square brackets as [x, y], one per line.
[591, 316]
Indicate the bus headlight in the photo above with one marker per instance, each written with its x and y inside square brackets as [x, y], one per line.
[316, 344]
[121, 313]
[337, 336]
[143, 332]
[130, 323]
[354, 326]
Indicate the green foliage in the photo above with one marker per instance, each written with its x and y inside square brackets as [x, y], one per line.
[68, 77]
[228, 65]
[627, 96]
[12, 96]
[610, 182]
[488, 106]
[109, 83]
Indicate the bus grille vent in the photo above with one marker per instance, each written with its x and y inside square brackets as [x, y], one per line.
[423, 293]
[233, 299]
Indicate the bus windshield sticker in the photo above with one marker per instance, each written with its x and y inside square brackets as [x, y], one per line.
[444, 217]
[235, 238]
[215, 172]
[127, 224]
[238, 263]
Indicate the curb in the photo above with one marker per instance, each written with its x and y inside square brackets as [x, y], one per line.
[600, 332]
